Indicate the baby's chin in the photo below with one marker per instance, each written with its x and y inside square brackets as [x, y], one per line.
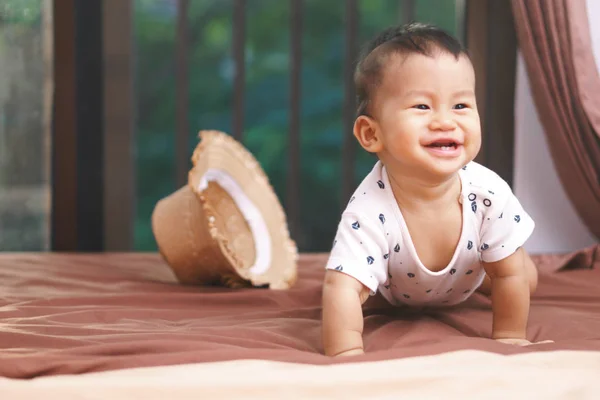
[432, 172]
[443, 169]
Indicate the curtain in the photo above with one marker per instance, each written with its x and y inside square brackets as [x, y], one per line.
[554, 39]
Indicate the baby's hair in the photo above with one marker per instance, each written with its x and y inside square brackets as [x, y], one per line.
[414, 38]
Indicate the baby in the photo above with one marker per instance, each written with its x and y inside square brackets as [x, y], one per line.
[427, 226]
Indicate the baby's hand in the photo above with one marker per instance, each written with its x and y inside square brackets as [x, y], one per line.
[522, 342]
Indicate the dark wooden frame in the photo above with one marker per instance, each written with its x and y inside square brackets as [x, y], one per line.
[292, 199]
[182, 79]
[77, 176]
[119, 125]
[92, 126]
[492, 42]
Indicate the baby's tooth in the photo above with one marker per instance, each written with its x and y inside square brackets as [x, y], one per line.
[445, 147]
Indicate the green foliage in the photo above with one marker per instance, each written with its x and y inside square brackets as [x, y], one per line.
[266, 96]
[25, 12]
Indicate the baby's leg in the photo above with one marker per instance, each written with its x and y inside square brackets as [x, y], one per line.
[530, 270]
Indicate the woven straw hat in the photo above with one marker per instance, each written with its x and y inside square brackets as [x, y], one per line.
[226, 226]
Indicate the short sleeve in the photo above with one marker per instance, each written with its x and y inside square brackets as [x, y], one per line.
[505, 228]
[360, 250]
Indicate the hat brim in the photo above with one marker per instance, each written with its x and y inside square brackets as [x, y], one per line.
[220, 158]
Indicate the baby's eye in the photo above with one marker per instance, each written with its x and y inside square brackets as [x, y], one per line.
[421, 107]
[460, 106]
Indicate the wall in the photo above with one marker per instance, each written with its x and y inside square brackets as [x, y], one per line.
[558, 226]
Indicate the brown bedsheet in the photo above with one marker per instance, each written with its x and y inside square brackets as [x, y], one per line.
[65, 314]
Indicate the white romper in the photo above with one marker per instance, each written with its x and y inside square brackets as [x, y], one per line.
[373, 245]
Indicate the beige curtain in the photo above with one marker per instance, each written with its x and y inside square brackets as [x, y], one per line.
[554, 38]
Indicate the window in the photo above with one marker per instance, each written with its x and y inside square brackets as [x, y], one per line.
[25, 118]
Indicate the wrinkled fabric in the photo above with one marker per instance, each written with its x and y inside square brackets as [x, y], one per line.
[72, 314]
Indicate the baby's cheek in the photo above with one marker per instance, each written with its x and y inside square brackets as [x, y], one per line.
[473, 137]
[472, 126]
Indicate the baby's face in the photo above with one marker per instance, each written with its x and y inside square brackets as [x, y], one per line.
[427, 114]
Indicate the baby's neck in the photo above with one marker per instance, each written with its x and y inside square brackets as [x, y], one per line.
[416, 195]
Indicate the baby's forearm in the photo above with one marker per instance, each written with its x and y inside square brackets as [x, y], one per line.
[342, 320]
[510, 305]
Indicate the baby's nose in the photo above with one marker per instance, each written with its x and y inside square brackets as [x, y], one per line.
[443, 123]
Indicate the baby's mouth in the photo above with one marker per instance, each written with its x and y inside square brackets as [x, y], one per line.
[443, 144]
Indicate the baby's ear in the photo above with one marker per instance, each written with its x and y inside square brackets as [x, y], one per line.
[366, 131]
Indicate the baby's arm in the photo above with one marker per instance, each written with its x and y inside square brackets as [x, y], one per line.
[506, 226]
[343, 297]
[357, 266]
[510, 296]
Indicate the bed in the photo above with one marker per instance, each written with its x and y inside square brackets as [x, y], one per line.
[118, 325]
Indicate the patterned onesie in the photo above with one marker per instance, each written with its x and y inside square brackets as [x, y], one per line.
[373, 244]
